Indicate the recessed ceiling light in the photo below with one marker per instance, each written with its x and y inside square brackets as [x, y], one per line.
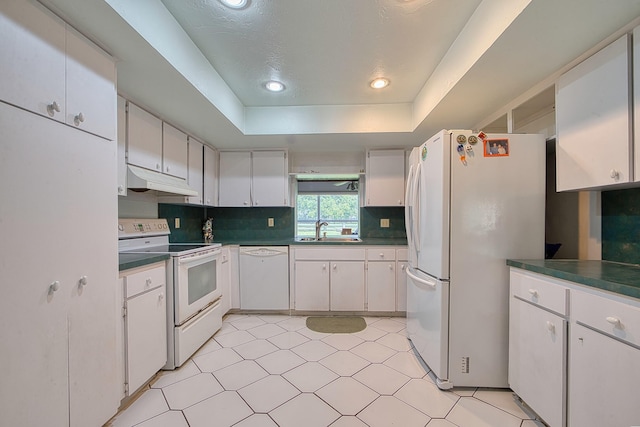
[235, 4]
[379, 83]
[274, 86]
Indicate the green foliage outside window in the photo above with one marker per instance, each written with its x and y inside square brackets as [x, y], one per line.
[338, 210]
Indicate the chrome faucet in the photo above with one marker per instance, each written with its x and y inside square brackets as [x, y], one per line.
[318, 227]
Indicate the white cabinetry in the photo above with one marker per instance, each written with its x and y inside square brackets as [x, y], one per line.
[329, 278]
[537, 345]
[385, 178]
[258, 178]
[49, 69]
[144, 139]
[210, 179]
[174, 152]
[61, 363]
[593, 121]
[235, 179]
[195, 170]
[401, 279]
[604, 352]
[381, 279]
[145, 331]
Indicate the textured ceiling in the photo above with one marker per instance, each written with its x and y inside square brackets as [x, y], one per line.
[452, 64]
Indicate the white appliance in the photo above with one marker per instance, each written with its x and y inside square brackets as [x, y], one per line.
[264, 278]
[194, 312]
[472, 201]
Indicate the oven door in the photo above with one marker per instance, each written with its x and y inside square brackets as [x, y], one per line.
[195, 283]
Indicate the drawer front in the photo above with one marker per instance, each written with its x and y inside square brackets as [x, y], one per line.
[603, 314]
[539, 291]
[402, 254]
[142, 281]
[381, 254]
[337, 253]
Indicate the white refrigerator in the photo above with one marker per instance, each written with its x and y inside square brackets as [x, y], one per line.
[472, 202]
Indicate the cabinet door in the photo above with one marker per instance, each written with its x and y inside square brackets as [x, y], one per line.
[195, 173]
[144, 139]
[385, 178]
[32, 54]
[347, 286]
[91, 87]
[603, 380]
[312, 285]
[235, 179]
[592, 121]
[210, 184]
[269, 178]
[122, 146]
[174, 151]
[381, 286]
[401, 285]
[537, 359]
[146, 337]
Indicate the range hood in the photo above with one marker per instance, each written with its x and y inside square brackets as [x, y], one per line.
[139, 179]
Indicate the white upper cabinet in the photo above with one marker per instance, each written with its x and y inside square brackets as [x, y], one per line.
[194, 175]
[258, 178]
[235, 179]
[269, 178]
[144, 139]
[210, 183]
[53, 71]
[91, 89]
[593, 121]
[174, 151]
[385, 178]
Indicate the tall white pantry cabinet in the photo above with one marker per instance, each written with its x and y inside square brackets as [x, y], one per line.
[58, 218]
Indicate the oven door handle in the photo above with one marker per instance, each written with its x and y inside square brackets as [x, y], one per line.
[193, 259]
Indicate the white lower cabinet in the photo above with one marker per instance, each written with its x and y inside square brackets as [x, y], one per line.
[342, 278]
[347, 286]
[145, 325]
[604, 361]
[312, 285]
[574, 367]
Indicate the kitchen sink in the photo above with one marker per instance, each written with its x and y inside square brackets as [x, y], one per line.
[329, 239]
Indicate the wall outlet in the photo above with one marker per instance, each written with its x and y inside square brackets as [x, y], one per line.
[384, 223]
[270, 222]
[177, 223]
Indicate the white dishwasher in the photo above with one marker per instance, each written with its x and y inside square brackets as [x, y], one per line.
[264, 277]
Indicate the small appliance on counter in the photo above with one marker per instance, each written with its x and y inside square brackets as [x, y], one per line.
[194, 311]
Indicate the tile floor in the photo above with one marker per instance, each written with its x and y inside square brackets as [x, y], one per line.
[270, 370]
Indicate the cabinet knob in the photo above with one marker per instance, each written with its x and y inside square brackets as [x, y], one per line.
[246, 203]
[335, 266]
[208, 201]
[614, 174]
[534, 293]
[148, 281]
[161, 296]
[614, 321]
[390, 266]
[255, 203]
[83, 281]
[54, 286]
[551, 327]
[120, 189]
[403, 267]
[53, 108]
[79, 118]
[399, 202]
[381, 255]
[167, 169]
[157, 166]
[324, 266]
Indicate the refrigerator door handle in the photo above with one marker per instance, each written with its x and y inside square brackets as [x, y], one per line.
[420, 280]
[415, 202]
[408, 207]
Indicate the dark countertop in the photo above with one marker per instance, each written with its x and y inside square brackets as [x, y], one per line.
[610, 276]
[293, 242]
[128, 261]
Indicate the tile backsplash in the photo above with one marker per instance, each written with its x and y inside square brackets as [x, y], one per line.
[621, 225]
[233, 224]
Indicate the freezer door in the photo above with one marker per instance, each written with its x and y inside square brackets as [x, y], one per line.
[428, 322]
[433, 251]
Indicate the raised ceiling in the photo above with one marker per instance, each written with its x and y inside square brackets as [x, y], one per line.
[452, 64]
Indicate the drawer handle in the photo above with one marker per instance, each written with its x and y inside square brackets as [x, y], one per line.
[551, 327]
[614, 321]
[534, 293]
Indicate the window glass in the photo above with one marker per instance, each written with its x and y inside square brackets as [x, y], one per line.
[335, 205]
